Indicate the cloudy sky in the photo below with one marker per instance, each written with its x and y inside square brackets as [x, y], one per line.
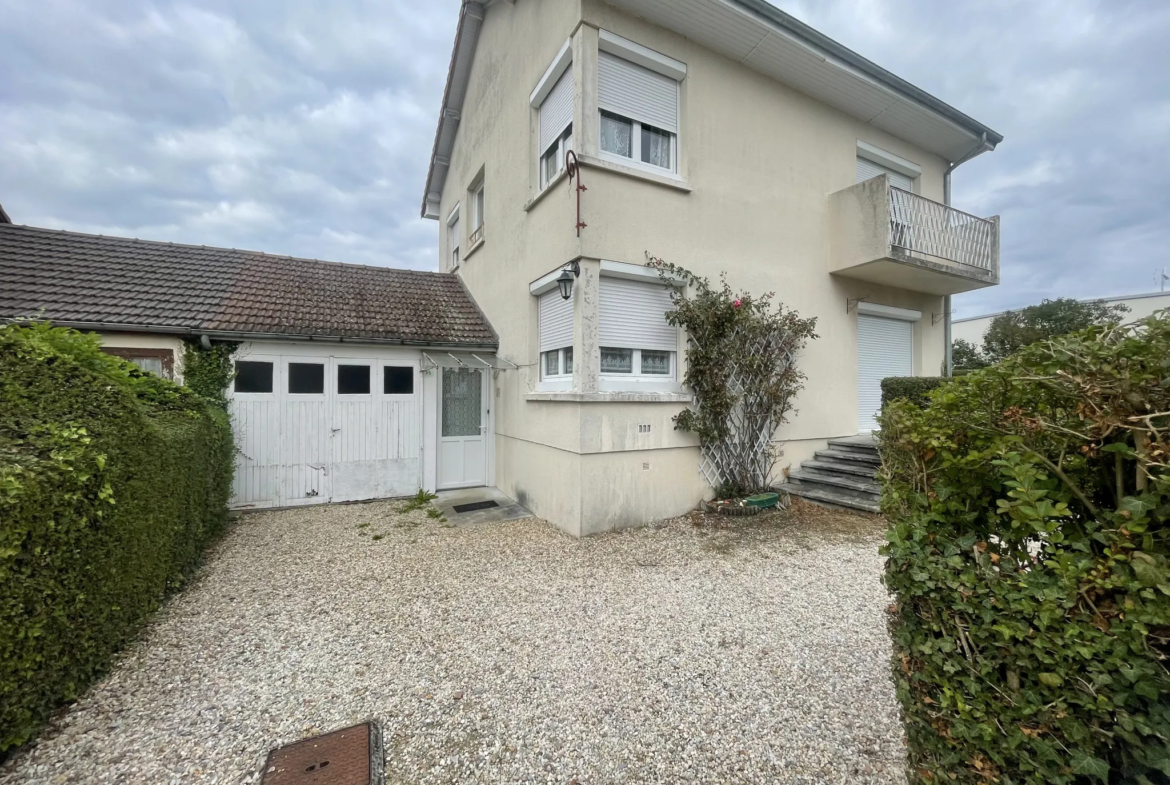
[304, 127]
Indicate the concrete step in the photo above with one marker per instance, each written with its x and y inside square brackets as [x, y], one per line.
[855, 457]
[862, 444]
[850, 468]
[831, 497]
[852, 485]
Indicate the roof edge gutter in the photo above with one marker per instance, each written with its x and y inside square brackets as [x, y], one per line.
[471, 15]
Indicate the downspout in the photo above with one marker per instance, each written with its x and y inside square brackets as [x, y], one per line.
[981, 147]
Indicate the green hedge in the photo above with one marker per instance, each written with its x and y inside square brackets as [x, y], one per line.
[914, 388]
[112, 481]
[1028, 554]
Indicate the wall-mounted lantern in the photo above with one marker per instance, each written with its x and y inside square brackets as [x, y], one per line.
[566, 278]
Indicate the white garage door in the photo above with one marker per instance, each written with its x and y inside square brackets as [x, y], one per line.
[312, 429]
[885, 347]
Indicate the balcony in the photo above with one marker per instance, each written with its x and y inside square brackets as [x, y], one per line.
[888, 236]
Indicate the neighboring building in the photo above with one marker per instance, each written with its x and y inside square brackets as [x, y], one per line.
[1140, 306]
[721, 135]
[336, 394]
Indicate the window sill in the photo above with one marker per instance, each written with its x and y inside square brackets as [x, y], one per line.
[609, 397]
[544, 191]
[667, 180]
[470, 251]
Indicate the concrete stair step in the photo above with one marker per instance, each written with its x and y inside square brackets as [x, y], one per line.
[857, 457]
[853, 485]
[850, 468]
[862, 444]
[829, 497]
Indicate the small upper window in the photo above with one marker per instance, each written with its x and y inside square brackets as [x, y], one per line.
[398, 380]
[556, 126]
[353, 380]
[639, 113]
[477, 217]
[253, 376]
[306, 378]
[553, 160]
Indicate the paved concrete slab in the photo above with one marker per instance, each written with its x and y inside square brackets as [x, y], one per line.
[508, 510]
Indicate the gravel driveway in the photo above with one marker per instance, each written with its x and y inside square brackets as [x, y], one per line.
[507, 653]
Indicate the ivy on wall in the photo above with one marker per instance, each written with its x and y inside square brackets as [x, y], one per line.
[208, 372]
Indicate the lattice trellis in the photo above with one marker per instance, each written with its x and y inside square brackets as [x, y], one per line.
[744, 457]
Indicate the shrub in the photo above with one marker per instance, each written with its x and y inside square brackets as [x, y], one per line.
[742, 368]
[912, 388]
[112, 481]
[1028, 556]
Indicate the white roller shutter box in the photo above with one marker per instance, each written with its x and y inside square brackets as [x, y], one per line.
[885, 347]
[635, 92]
[557, 110]
[556, 321]
[867, 169]
[633, 315]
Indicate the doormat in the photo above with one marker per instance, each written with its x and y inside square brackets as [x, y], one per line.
[472, 506]
[350, 756]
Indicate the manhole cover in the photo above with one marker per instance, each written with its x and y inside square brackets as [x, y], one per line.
[474, 506]
[350, 756]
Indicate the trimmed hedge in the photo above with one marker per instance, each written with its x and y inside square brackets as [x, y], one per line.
[913, 388]
[112, 481]
[1028, 553]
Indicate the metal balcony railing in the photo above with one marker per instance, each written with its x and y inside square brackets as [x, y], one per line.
[922, 226]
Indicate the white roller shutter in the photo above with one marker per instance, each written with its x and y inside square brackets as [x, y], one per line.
[557, 110]
[867, 169]
[633, 315]
[638, 93]
[885, 347]
[556, 321]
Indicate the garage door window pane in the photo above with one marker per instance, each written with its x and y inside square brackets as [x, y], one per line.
[353, 380]
[398, 380]
[253, 377]
[306, 378]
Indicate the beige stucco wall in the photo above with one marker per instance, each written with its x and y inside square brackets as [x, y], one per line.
[148, 341]
[758, 161]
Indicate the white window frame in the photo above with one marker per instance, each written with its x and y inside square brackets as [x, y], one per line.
[453, 240]
[562, 379]
[478, 207]
[636, 380]
[635, 159]
[655, 61]
[277, 378]
[563, 144]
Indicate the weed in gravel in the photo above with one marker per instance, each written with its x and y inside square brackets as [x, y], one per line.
[419, 501]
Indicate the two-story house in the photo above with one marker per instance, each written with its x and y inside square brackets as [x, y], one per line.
[721, 135]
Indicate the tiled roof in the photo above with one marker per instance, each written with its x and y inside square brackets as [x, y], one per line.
[86, 279]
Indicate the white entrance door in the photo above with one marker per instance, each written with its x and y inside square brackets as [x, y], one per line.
[885, 347]
[462, 428]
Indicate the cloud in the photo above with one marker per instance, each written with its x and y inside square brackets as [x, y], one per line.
[304, 127]
[293, 127]
[1080, 89]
